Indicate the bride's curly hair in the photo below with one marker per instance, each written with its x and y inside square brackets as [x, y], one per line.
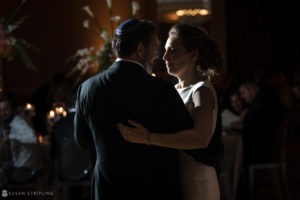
[209, 60]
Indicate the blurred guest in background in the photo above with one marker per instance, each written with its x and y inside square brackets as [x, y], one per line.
[277, 83]
[260, 123]
[58, 92]
[233, 115]
[25, 156]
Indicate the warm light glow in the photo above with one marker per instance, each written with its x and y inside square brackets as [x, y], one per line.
[192, 12]
[41, 139]
[51, 114]
[153, 74]
[59, 109]
[28, 106]
[203, 12]
[64, 113]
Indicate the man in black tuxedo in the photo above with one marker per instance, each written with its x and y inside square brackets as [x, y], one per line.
[125, 91]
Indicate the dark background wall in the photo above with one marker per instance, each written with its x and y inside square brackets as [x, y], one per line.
[262, 35]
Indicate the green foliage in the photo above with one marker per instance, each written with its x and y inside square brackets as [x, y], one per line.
[16, 46]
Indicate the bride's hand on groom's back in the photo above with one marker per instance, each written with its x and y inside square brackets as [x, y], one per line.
[135, 134]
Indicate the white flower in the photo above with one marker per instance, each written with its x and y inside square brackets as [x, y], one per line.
[135, 7]
[105, 35]
[86, 24]
[85, 63]
[108, 3]
[80, 52]
[115, 19]
[100, 50]
[10, 28]
[91, 49]
[79, 66]
[11, 41]
[85, 52]
[89, 12]
[84, 70]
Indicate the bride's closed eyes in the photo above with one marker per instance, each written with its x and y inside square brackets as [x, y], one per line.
[171, 50]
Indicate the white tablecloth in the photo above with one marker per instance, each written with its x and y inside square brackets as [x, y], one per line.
[231, 167]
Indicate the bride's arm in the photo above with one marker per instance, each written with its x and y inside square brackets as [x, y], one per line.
[195, 138]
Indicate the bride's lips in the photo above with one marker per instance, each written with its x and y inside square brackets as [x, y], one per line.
[168, 65]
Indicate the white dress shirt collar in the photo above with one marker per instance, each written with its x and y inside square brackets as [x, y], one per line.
[128, 60]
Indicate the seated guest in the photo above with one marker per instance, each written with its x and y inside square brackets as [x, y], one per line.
[260, 123]
[22, 141]
[232, 117]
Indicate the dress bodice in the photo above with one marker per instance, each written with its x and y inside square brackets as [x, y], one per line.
[187, 94]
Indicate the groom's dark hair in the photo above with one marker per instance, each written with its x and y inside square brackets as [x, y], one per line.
[127, 38]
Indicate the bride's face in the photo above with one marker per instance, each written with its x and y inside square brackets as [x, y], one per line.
[178, 60]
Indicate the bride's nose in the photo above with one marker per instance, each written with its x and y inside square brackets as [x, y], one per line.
[166, 57]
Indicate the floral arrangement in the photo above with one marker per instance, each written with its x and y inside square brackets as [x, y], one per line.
[11, 46]
[90, 57]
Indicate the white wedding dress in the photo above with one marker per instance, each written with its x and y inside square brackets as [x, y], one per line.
[198, 180]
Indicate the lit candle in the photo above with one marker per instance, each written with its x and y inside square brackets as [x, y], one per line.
[40, 138]
[64, 113]
[28, 106]
[59, 110]
[51, 114]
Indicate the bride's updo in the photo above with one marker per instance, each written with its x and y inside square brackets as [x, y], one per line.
[192, 37]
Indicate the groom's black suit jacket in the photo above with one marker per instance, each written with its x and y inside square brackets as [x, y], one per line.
[125, 170]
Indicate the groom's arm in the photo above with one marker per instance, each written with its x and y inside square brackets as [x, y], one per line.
[82, 133]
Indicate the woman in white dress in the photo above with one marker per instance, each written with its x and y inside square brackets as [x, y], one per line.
[234, 114]
[193, 58]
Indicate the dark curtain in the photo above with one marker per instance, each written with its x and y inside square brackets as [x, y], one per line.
[262, 35]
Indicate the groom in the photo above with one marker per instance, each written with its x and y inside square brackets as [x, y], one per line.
[126, 91]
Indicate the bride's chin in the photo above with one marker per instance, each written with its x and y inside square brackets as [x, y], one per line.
[170, 72]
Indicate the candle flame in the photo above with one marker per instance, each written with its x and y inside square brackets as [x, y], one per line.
[28, 106]
[60, 109]
[41, 139]
[51, 114]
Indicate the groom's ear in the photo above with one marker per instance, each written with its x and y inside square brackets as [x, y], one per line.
[140, 50]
